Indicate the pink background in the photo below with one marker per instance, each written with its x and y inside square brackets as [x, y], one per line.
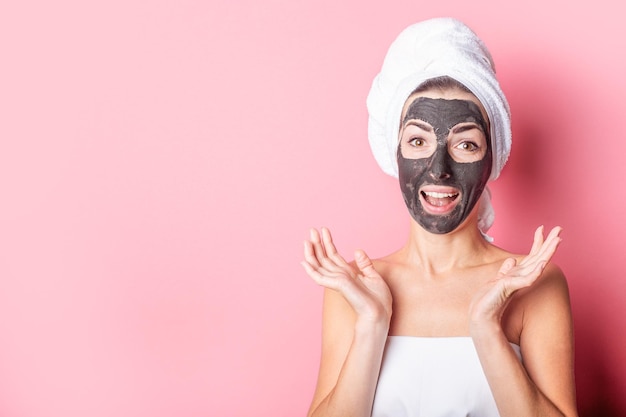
[162, 161]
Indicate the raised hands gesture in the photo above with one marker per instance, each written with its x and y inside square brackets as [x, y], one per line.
[490, 301]
[359, 283]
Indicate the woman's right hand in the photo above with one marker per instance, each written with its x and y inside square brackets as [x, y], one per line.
[362, 287]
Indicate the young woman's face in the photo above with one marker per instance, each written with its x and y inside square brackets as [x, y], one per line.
[444, 157]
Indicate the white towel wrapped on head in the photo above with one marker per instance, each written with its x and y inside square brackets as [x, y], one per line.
[430, 49]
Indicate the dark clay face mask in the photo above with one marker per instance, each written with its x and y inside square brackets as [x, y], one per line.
[447, 188]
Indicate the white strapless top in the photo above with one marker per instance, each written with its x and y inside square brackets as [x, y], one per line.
[433, 377]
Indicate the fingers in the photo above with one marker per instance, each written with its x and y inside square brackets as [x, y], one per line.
[537, 241]
[507, 265]
[517, 282]
[518, 276]
[322, 252]
[331, 250]
[309, 255]
[316, 242]
[322, 261]
[319, 275]
[364, 263]
[548, 247]
[542, 250]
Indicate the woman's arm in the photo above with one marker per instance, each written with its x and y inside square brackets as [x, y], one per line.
[356, 315]
[350, 363]
[544, 384]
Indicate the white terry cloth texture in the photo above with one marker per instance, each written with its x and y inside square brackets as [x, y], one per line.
[433, 377]
[430, 49]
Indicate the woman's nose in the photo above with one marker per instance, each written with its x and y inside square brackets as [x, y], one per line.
[440, 165]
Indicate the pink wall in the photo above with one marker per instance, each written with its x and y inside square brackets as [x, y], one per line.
[161, 161]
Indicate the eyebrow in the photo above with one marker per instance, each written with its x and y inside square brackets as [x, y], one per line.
[422, 125]
[466, 127]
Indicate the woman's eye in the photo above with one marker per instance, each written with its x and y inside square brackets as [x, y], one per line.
[417, 142]
[468, 146]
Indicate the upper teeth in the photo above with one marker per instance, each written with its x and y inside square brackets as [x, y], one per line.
[439, 195]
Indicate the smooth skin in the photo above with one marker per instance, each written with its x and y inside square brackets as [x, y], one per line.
[444, 285]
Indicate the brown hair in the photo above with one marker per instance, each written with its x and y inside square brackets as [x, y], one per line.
[440, 83]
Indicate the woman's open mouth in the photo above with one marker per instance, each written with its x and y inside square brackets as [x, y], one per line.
[439, 202]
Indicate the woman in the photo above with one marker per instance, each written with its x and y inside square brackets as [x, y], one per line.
[450, 324]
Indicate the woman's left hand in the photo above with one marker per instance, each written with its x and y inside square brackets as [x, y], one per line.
[491, 300]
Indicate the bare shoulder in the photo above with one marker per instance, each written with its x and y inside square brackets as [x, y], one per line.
[547, 337]
[384, 266]
[549, 293]
[388, 266]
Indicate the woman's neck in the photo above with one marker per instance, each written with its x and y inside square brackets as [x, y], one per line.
[438, 253]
